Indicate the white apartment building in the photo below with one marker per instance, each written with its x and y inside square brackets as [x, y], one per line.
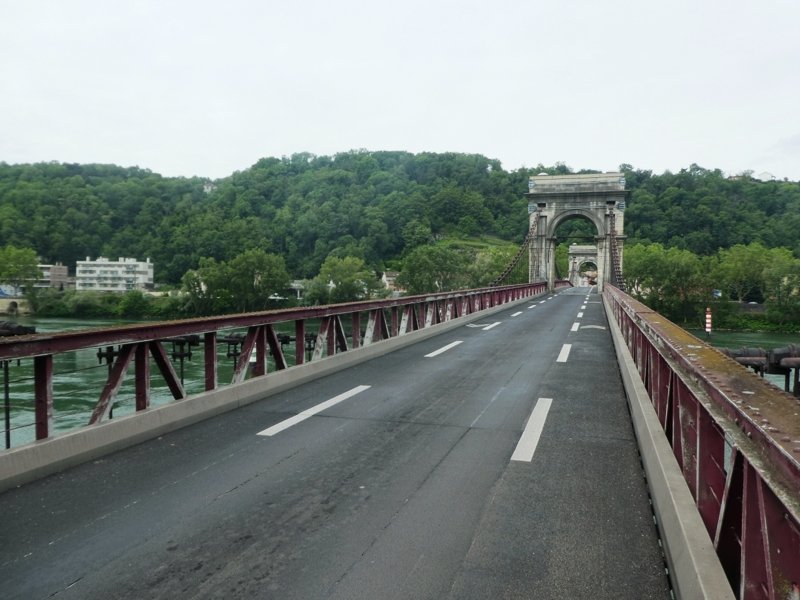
[104, 275]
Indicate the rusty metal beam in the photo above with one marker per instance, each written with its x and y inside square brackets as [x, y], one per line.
[299, 342]
[243, 361]
[53, 343]
[735, 437]
[210, 360]
[142, 377]
[386, 319]
[356, 329]
[43, 395]
[339, 334]
[275, 348]
[114, 382]
[321, 345]
[167, 370]
[260, 368]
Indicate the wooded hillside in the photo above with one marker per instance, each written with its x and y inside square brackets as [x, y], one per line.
[376, 206]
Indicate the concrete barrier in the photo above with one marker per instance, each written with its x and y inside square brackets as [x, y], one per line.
[694, 569]
[45, 457]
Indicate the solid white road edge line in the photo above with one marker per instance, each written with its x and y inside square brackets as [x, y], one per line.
[302, 416]
[575, 326]
[533, 431]
[444, 348]
[564, 354]
[488, 327]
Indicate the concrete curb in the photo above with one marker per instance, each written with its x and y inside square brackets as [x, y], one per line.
[39, 459]
[695, 570]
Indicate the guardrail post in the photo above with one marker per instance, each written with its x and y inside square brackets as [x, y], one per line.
[142, 377]
[210, 352]
[6, 404]
[299, 341]
[356, 330]
[43, 386]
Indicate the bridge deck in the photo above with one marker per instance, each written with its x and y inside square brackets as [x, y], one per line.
[404, 489]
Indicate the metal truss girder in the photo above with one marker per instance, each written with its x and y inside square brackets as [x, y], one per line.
[386, 319]
[43, 395]
[739, 469]
[167, 370]
[114, 382]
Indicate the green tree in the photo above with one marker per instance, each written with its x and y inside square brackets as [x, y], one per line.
[433, 269]
[782, 286]
[342, 280]
[206, 288]
[18, 266]
[255, 279]
[416, 233]
[245, 283]
[133, 305]
[670, 280]
[742, 269]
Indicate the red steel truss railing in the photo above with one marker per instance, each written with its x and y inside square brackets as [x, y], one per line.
[336, 328]
[737, 441]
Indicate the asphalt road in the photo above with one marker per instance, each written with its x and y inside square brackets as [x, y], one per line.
[414, 480]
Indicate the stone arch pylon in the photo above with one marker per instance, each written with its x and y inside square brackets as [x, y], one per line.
[579, 256]
[552, 199]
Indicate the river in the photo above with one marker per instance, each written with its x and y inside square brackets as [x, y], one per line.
[747, 339]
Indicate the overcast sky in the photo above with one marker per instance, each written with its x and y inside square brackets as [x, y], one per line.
[207, 88]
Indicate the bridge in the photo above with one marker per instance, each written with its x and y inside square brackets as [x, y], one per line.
[523, 440]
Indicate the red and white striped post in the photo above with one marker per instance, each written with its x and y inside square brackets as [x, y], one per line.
[708, 321]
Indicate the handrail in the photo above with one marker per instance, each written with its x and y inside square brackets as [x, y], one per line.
[321, 331]
[737, 441]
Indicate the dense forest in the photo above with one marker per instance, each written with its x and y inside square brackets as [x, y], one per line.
[376, 206]
[444, 220]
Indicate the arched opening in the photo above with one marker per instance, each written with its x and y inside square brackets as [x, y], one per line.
[13, 307]
[570, 231]
[586, 274]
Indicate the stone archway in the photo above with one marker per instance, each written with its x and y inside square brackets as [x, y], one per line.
[553, 199]
[579, 256]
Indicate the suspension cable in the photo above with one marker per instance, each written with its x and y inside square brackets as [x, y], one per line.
[515, 260]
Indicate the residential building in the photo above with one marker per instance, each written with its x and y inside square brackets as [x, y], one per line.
[54, 276]
[106, 275]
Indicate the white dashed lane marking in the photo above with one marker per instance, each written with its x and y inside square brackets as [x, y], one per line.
[533, 431]
[446, 348]
[564, 354]
[302, 416]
